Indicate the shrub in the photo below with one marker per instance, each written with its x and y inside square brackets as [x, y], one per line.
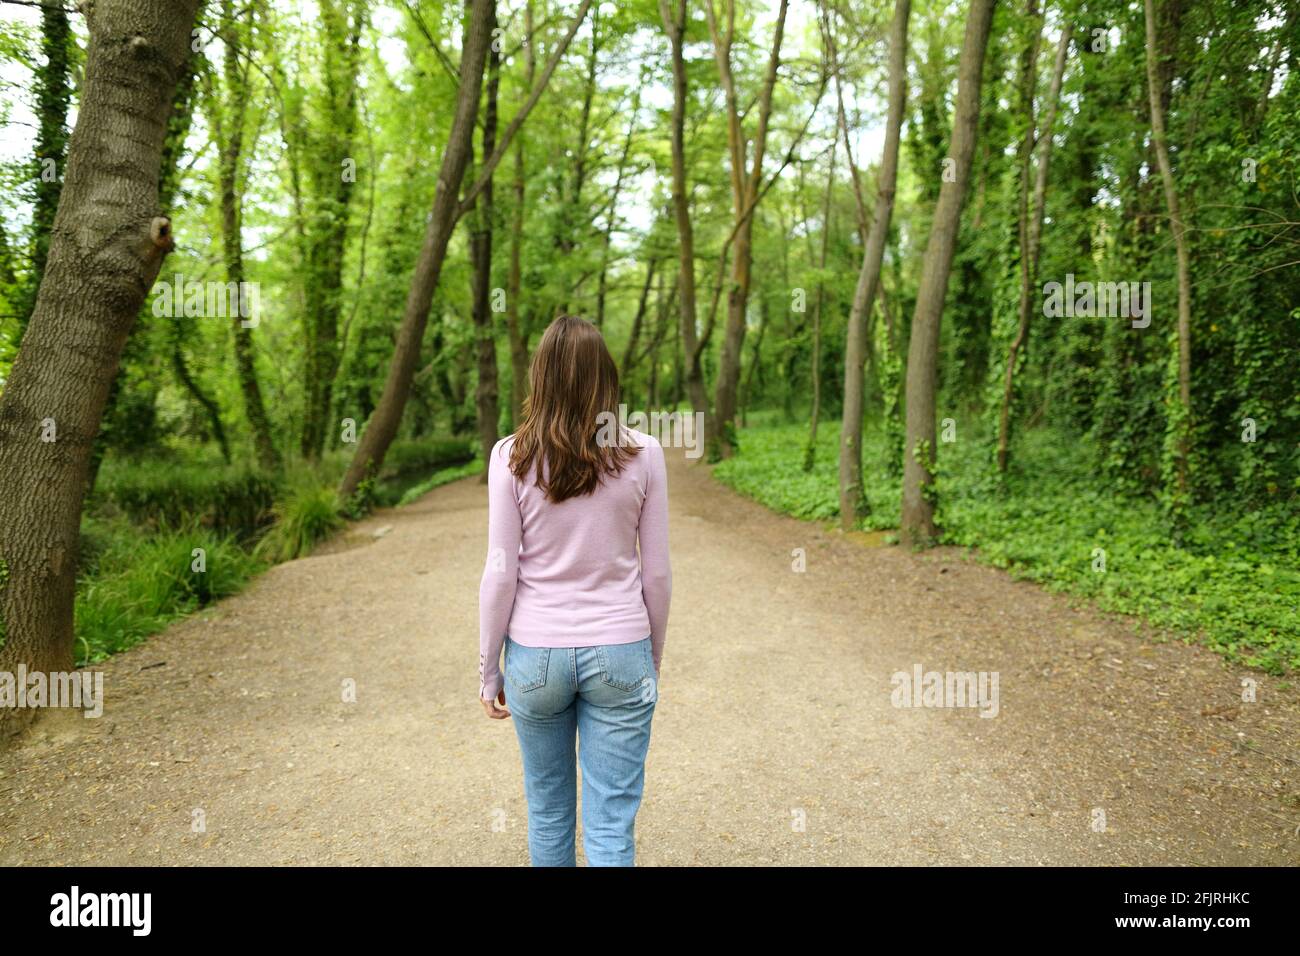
[438, 479]
[425, 455]
[140, 584]
[1232, 583]
[231, 500]
[306, 516]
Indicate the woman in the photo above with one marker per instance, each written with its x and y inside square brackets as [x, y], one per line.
[582, 621]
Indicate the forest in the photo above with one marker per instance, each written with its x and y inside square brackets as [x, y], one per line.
[1020, 278]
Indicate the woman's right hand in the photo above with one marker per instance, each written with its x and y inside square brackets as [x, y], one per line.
[492, 710]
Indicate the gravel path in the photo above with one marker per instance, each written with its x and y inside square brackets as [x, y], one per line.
[775, 741]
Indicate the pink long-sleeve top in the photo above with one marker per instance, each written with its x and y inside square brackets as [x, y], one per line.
[567, 574]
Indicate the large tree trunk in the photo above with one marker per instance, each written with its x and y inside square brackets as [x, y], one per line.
[480, 252]
[1183, 423]
[228, 129]
[447, 211]
[853, 502]
[1031, 232]
[692, 347]
[106, 247]
[918, 526]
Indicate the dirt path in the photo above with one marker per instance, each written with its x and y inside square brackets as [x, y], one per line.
[775, 741]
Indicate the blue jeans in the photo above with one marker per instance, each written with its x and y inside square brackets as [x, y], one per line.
[605, 695]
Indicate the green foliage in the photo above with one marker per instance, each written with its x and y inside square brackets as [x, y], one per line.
[231, 500]
[133, 586]
[440, 478]
[895, 432]
[771, 471]
[425, 455]
[1234, 583]
[305, 517]
[148, 515]
[362, 501]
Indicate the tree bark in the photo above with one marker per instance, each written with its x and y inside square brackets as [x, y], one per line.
[383, 424]
[853, 502]
[106, 247]
[918, 527]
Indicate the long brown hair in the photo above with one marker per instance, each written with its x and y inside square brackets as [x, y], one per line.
[571, 381]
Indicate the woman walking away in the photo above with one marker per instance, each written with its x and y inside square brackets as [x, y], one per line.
[581, 619]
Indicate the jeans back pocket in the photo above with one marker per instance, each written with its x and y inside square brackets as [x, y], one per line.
[526, 666]
[626, 666]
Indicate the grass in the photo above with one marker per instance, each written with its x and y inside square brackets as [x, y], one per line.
[162, 538]
[167, 494]
[307, 515]
[440, 478]
[133, 585]
[1234, 584]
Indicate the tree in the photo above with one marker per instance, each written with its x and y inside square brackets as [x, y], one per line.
[853, 504]
[917, 526]
[1181, 423]
[516, 326]
[107, 244]
[228, 123]
[480, 252]
[178, 128]
[447, 211]
[693, 343]
[331, 177]
[746, 183]
[1031, 226]
[810, 451]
